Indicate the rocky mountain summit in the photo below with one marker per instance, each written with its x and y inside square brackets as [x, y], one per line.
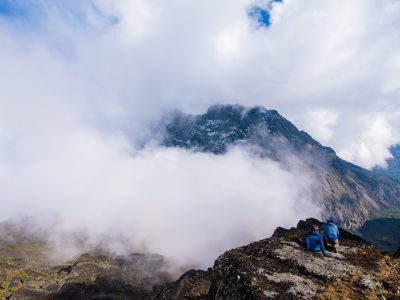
[349, 193]
[274, 268]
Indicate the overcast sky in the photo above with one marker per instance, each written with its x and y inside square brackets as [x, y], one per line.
[80, 80]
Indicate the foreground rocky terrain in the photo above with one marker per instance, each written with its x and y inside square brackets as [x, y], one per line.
[274, 268]
[279, 268]
[28, 272]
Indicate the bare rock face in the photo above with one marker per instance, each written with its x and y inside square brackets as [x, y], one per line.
[97, 275]
[194, 284]
[279, 268]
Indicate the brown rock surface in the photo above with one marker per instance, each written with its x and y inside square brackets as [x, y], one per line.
[27, 273]
[279, 268]
[274, 268]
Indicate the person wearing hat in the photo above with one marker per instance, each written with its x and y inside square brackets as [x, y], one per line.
[331, 234]
[313, 240]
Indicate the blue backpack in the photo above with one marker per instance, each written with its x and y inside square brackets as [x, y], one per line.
[331, 231]
[314, 241]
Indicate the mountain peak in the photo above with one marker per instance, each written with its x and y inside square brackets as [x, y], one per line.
[237, 110]
[347, 192]
[223, 126]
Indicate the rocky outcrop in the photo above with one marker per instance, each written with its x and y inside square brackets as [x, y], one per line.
[26, 272]
[194, 284]
[91, 275]
[274, 268]
[345, 191]
[279, 268]
[97, 274]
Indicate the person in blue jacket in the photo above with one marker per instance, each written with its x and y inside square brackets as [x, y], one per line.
[313, 241]
[331, 234]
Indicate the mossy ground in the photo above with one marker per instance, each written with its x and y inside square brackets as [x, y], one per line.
[21, 261]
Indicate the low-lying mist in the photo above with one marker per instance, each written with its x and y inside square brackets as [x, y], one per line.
[81, 80]
[187, 206]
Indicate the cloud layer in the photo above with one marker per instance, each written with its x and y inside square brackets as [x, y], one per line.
[332, 67]
[82, 80]
[188, 206]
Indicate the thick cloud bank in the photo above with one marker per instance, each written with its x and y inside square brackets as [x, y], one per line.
[187, 206]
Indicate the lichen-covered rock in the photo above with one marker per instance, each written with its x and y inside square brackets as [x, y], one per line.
[194, 284]
[27, 273]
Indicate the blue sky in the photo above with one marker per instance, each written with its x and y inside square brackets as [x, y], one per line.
[55, 23]
[10, 8]
[262, 14]
[33, 13]
[22, 11]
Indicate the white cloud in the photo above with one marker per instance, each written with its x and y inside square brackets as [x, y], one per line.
[336, 55]
[187, 206]
[76, 88]
[369, 148]
[321, 122]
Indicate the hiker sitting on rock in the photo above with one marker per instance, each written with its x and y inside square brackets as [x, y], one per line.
[331, 234]
[313, 241]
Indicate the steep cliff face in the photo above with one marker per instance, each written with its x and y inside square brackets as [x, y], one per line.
[347, 192]
[279, 268]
